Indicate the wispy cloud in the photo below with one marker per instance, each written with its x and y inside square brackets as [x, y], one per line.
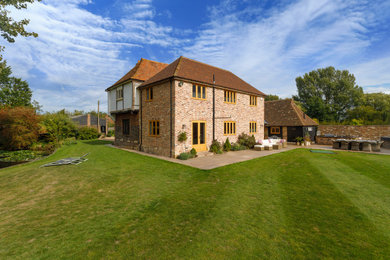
[271, 48]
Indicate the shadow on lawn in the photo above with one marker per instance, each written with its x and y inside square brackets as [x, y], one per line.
[97, 142]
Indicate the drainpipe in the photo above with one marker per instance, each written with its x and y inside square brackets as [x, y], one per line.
[171, 121]
[140, 119]
[213, 107]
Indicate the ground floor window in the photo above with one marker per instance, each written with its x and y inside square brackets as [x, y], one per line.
[125, 126]
[275, 130]
[229, 128]
[154, 128]
[252, 127]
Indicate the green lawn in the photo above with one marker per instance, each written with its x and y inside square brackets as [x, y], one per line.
[294, 204]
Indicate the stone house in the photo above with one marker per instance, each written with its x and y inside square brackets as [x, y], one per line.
[286, 120]
[191, 97]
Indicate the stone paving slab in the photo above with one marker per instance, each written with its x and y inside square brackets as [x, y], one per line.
[219, 160]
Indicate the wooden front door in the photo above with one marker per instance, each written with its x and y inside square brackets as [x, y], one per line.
[199, 136]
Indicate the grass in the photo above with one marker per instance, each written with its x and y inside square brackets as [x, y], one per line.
[294, 204]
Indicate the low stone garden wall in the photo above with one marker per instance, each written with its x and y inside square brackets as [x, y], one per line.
[327, 133]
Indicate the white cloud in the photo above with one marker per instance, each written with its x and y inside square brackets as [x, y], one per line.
[79, 49]
[272, 49]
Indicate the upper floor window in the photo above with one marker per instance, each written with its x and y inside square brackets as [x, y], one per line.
[229, 128]
[119, 93]
[198, 92]
[252, 127]
[126, 126]
[230, 97]
[149, 94]
[253, 101]
[154, 128]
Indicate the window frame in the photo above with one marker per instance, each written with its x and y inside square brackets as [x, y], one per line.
[229, 128]
[154, 128]
[275, 128]
[203, 92]
[253, 101]
[252, 126]
[149, 94]
[124, 132]
[120, 91]
[230, 97]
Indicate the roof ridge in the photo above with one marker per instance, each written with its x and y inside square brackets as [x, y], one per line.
[285, 99]
[295, 107]
[177, 66]
[152, 61]
[206, 64]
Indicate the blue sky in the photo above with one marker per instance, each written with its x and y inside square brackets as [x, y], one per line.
[84, 46]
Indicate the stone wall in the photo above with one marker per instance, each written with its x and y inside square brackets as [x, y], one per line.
[132, 139]
[157, 109]
[327, 133]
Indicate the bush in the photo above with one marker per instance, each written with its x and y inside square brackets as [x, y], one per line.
[184, 156]
[182, 137]
[216, 147]
[48, 149]
[238, 147]
[110, 133]
[227, 146]
[87, 133]
[69, 141]
[59, 126]
[18, 156]
[19, 128]
[246, 140]
[193, 152]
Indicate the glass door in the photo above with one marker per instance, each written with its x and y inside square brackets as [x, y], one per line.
[199, 136]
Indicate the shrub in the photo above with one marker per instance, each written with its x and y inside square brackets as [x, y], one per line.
[216, 147]
[48, 148]
[193, 152]
[182, 137]
[87, 133]
[59, 126]
[110, 133]
[184, 156]
[69, 141]
[238, 147]
[19, 128]
[227, 146]
[18, 156]
[246, 140]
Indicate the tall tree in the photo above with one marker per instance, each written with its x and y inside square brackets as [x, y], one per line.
[13, 91]
[10, 28]
[328, 94]
[271, 97]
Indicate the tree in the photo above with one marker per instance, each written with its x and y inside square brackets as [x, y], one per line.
[59, 126]
[8, 26]
[374, 109]
[328, 94]
[19, 127]
[13, 91]
[271, 97]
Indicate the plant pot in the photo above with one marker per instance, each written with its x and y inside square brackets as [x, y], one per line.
[307, 143]
[302, 144]
[284, 144]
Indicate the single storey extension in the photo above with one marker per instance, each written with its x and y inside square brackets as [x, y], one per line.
[284, 119]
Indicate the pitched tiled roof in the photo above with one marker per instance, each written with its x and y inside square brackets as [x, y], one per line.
[143, 70]
[285, 113]
[189, 69]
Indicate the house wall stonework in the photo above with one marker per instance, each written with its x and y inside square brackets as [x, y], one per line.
[157, 109]
[188, 109]
[131, 140]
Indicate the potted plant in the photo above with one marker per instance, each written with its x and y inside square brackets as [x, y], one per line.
[299, 140]
[307, 139]
[284, 143]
